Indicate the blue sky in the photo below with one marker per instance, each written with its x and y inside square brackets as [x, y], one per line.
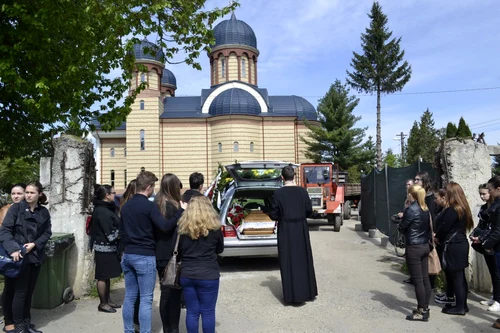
[306, 45]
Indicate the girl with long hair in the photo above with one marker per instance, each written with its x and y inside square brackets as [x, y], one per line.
[477, 237]
[27, 244]
[200, 241]
[492, 243]
[105, 234]
[129, 193]
[168, 200]
[457, 221]
[417, 229]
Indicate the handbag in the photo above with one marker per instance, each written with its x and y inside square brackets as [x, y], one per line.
[434, 263]
[8, 267]
[172, 271]
[445, 262]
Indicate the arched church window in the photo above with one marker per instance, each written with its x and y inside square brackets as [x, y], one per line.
[143, 77]
[251, 147]
[220, 147]
[141, 103]
[125, 178]
[235, 146]
[222, 67]
[143, 169]
[112, 152]
[243, 68]
[143, 140]
[112, 178]
[125, 152]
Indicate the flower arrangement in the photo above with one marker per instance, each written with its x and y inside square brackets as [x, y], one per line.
[236, 215]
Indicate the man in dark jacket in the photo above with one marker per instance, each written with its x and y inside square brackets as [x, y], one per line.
[196, 181]
[139, 218]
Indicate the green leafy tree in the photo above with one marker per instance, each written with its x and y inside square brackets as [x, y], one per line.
[337, 139]
[380, 68]
[496, 165]
[16, 171]
[451, 130]
[58, 59]
[463, 130]
[390, 159]
[423, 139]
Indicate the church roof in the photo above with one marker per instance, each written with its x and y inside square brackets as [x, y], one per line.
[234, 32]
[145, 50]
[168, 78]
[234, 101]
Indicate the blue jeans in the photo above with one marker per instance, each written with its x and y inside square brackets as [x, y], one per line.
[140, 279]
[200, 297]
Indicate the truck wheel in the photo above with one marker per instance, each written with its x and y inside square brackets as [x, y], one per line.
[337, 223]
[347, 210]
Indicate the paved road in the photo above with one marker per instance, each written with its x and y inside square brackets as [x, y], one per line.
[359, 284]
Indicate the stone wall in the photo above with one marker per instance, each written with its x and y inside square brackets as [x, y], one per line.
[68, 179]
[468, 163]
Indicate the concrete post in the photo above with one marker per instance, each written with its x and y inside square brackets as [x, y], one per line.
[468, 163]
[68, 178]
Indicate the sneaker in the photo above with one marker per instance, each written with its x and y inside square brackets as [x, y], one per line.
[444, 299]
[488, 302]
[495, 307]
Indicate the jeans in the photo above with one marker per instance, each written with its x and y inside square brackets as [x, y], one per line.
[140, 279]
[417, 258]
[200, 297]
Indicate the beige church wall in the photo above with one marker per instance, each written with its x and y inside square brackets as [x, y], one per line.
[247, 74]
[148, 121]
[116, 163]
[153, 80]
[133, 81]
[252, 71]
[302, 131]
[279, 138]
[233, 67]
[185, 148]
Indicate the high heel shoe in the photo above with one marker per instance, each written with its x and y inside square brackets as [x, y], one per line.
[101, 309]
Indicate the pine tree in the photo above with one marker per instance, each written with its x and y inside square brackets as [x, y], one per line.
[423, 140]
[463, 129]
[337, 139]
[390, 159]
[379, 68]
[451, 130]
[496, 165]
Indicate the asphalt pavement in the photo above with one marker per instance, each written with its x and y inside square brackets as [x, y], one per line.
[360, 290]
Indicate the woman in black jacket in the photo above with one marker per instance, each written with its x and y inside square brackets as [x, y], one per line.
[168, 201]
[457, 221]
[24, 234]
[477, 237]
[417, 229]
[492, 243]
[105, 228]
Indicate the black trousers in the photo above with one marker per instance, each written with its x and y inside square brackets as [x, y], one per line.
[492, 268]
[170, 305]
[417, 258]
[457, 284]
[17, 300]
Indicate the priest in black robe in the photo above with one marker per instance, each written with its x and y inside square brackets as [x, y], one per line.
[291, 207]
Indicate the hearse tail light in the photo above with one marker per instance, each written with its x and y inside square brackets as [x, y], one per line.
[228, 231]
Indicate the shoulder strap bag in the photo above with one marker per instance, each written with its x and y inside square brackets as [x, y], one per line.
[171, 273]
[434, 264]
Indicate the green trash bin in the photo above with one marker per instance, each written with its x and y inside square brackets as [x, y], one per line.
[52, 286]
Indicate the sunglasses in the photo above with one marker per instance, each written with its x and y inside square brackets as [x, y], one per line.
[418, 179]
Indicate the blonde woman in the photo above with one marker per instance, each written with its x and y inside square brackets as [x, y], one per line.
[200, 241]
[416, 227]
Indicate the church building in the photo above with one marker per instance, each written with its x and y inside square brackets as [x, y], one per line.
[232, 120]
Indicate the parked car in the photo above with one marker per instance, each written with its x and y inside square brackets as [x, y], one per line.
[249, 197]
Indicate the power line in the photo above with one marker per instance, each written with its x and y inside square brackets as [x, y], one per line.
[484, 122]
[430, 92]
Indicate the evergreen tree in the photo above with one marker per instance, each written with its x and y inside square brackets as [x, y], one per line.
[337, 139]
[423, 140]
[390, 159]
[463, 129]
[451, 130]
[496, 165]
[380, 68]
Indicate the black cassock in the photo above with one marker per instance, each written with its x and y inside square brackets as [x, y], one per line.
[291, 207]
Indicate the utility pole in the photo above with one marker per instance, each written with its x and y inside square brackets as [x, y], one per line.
[402, 138]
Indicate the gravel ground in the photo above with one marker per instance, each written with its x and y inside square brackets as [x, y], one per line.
[360, 290]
